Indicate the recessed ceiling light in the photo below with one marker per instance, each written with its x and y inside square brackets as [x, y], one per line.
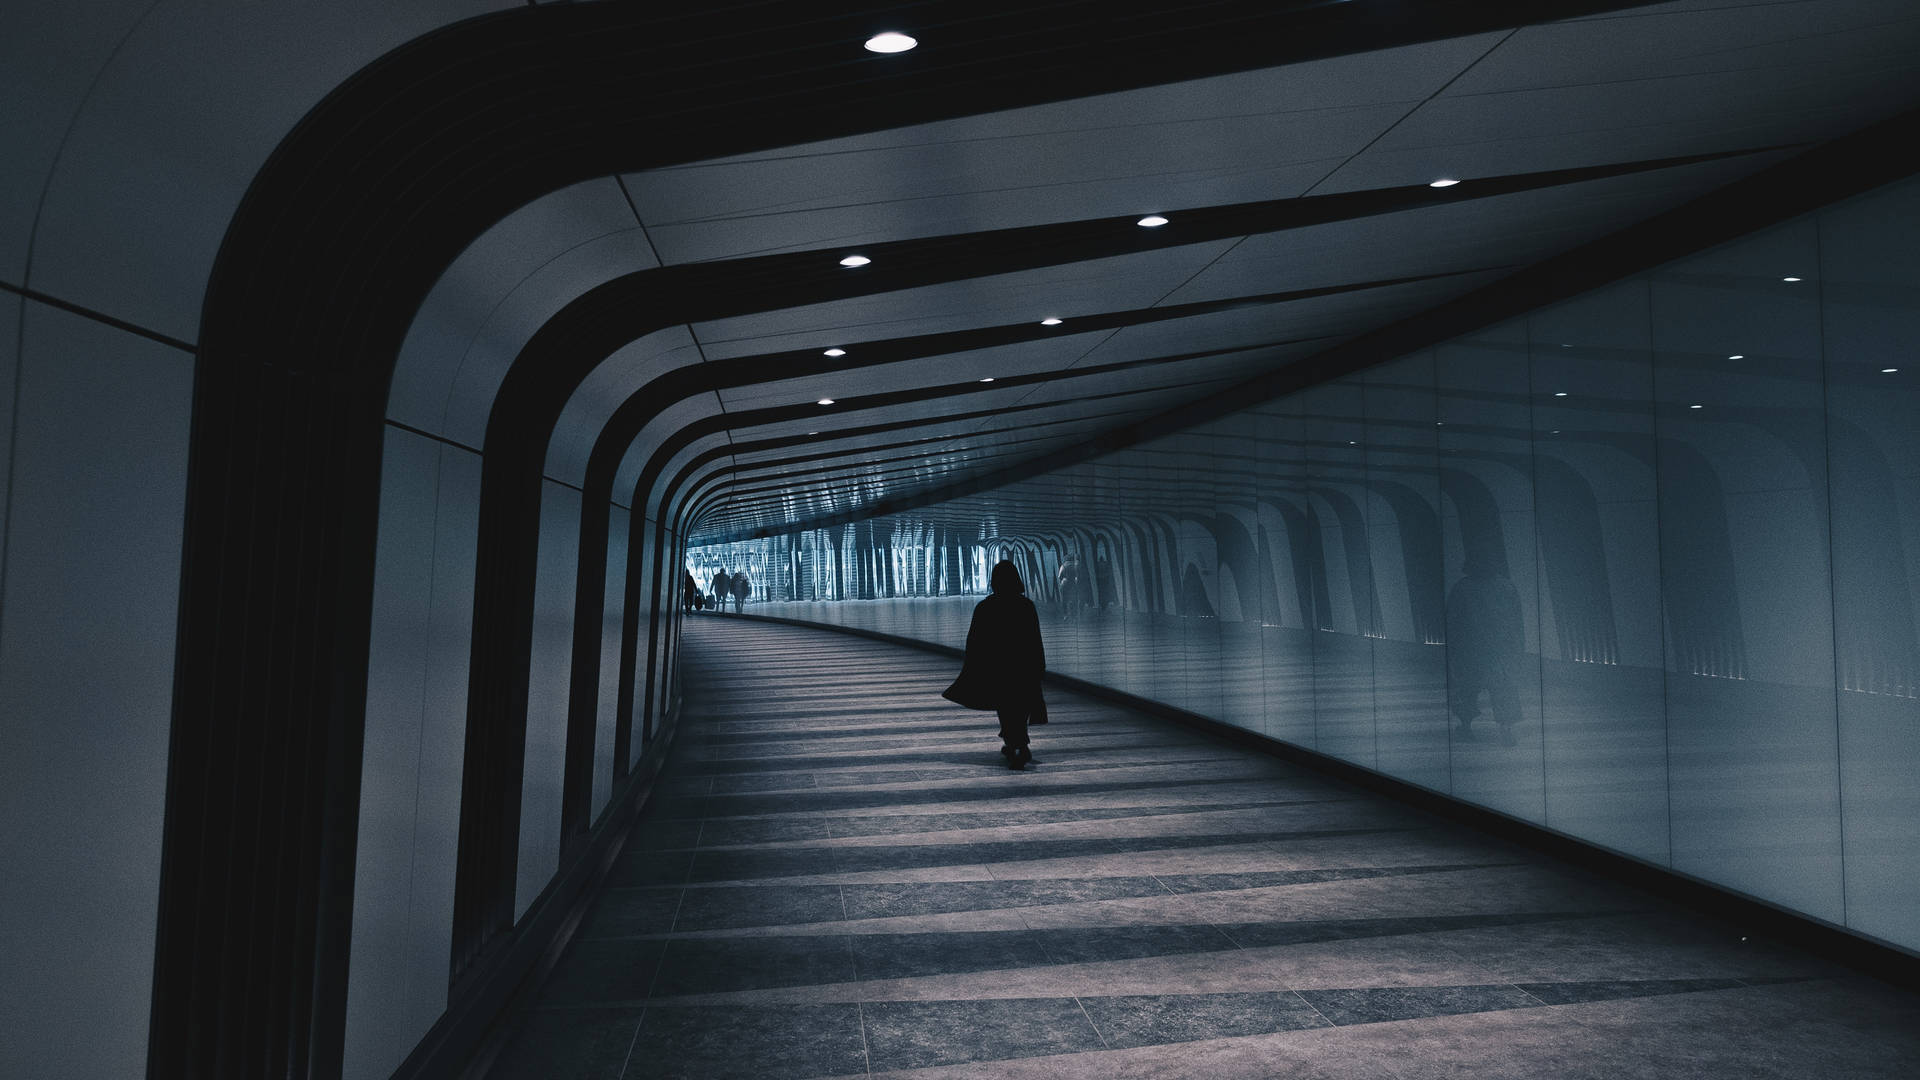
[1442, 182]
[1888, 370]
[1789, 279]
[834, 352]
[855, 260]
[1556, 431]
[1696, 406]
[824, 401]
[891, 41]
[1049, 321]
[1151, 221]
[813, 433]
[1559, 393]
[987, 379]
[1738, 356]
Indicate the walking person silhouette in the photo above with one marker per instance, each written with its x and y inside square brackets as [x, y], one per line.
[1004, 662]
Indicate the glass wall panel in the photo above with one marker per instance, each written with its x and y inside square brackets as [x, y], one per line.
[1603, 722]
[1485, 429]
[1403, 541]
[1643, 567]
[1744, 576]
[1870, 288]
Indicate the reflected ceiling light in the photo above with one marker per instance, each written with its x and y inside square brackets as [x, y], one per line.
[834, 352]
[891, 41]
[855, 260]
[1151, 221]
[1442, 182]
[1049, 321]
[1888, 370]
[824, 401]
[1789, 279]
[1738, 356]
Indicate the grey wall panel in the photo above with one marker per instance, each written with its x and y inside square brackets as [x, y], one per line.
[174, 128]
[1744, 570]
[12, 310]
[606, 703]
[87, 623]
[547, 686]
[389, 1004]
[1870, 286]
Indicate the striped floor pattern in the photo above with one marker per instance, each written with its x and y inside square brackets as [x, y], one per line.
[839, 877]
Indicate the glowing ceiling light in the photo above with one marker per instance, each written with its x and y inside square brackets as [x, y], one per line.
[1151, 221]
[1738, 356]
[1559, 393]
[1049, 321]
[1888, 370]
[824, 401]
[891, 41]
[834, 352]
[1789, 279]
[1696, 406]
[855, 260]
[987, 379]
[1442, 182]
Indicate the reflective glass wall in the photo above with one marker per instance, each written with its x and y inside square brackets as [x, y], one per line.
[1641, 567]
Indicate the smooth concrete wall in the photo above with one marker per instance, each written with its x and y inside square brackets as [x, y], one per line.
[89, 591]
[418, 661]
[1642, 568]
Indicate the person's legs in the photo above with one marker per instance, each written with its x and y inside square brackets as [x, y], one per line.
[1013, 734]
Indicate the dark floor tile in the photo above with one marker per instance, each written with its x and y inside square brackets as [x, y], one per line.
[900, 956]
[1037, 891]
[1568, 993]
[569, 1044]
[603, 971]
[761, 1042]
[736, 864]
[772, 830]
[1183, 883]
[1378, 1004]
[1092, 944]
[654, 835]
[857, 778]
[892, 899]
[728, 907]
[635, 868]
[1148, 1020]
[631, 912]
[717, 965]
[923, 1034]
[754, 782]
[1258, 935]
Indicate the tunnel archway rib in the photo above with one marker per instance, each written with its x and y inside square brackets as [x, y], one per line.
[285, 444]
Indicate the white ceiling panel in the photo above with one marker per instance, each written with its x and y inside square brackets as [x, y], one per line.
[1116, 284]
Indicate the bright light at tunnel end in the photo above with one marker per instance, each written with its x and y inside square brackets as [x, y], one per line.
[890, 41]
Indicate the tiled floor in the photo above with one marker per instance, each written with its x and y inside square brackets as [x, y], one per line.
[840, 877]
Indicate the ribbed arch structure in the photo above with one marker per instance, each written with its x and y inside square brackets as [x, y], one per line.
[457, 325]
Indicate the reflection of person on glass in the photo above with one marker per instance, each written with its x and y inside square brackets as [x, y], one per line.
[1004, 662]
[1485, 648]
[1103, 574]
[1069, 581]
[742, 588]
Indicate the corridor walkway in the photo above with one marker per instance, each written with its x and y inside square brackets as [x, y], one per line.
[839, 877]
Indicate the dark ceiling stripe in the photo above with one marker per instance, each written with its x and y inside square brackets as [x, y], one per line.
[95, 316]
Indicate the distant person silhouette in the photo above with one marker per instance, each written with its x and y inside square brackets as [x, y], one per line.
[742, 588]
[1103, 576]
[1004, 662]
[1486, 648]
[722, 584]
[690, 593]
[1071, 581]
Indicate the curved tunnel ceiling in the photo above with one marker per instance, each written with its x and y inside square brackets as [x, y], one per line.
[792, 390]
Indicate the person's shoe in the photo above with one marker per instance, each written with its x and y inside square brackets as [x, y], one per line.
[1014, 760]
[1026, 757]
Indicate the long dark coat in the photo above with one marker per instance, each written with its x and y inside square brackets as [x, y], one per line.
[1004, 655]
